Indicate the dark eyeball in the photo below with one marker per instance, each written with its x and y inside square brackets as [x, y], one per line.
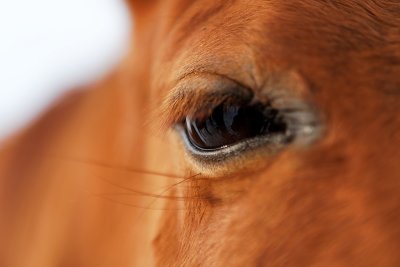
[229, 124]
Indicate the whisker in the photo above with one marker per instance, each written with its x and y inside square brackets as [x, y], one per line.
[132, 205]
[130, 191]
[172, 186]
[104, 196]
[180, 182]
[115, 166]
[142, 193]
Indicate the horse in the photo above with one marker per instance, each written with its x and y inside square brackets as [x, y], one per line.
[234, 133]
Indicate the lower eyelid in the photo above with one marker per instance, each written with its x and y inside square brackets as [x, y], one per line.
[225, 153]
[249, 156]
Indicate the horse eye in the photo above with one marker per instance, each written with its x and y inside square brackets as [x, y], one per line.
[229, 124]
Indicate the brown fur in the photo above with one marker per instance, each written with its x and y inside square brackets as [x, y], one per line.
[80, 187]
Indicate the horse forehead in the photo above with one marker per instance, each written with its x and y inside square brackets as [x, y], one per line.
[340, 37]
[345, 24]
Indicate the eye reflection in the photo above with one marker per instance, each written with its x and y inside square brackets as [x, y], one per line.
[229, 124]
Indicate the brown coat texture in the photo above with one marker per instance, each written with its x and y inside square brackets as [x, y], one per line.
[103, 179]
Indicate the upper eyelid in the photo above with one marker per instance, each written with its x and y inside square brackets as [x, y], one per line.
[198, 91]
[199, 73]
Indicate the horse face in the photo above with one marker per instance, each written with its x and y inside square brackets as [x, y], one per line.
[317, 184]
[280, 120]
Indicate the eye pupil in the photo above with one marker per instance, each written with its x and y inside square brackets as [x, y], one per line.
[230, 124]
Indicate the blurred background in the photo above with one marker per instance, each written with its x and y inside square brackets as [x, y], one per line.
[49, 47]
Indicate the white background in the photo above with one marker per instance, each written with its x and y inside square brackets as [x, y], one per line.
[50, 46]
